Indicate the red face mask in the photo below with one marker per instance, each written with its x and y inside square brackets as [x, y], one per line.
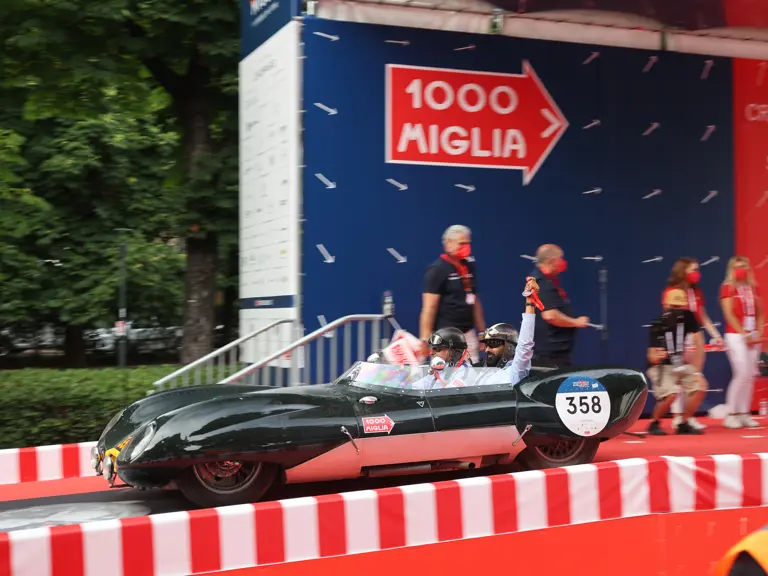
[464, 252]
[694, 277]
[740, 274]
[562, 265]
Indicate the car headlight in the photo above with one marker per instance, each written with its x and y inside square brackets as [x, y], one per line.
[140, 442]
[114, 420]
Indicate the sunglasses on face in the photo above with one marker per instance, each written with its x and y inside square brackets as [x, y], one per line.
[494, 343]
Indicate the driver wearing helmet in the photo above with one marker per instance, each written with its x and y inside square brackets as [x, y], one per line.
[505, 348]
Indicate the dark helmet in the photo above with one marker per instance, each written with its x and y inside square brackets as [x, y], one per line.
[449, 339]
[493, 337]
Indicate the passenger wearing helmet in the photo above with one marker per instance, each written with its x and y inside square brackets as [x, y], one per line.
[505, 350]
[508, 350]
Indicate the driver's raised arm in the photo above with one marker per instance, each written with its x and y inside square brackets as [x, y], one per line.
[520, 366]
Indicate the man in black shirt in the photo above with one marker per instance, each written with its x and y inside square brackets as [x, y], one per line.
[450, 296]
[555, 325]
[666, 364]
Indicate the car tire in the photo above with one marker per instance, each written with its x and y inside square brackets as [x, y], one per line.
[195, 484]
[581, 451]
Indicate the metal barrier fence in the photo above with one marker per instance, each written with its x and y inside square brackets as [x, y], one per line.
[316, 358]
[322, 356]
[220, 363]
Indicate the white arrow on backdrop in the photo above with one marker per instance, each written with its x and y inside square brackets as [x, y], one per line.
[707, 67]
[711, 261]
[328, 184]
[656, 192]
[399, 186]
[401, 42]
[326, 255]
[708, 132]
[470, 47]
[593, 258]
[329, 36]
[531, 258]
[590, 58]
[651, 61]
[469, 188]
[651, 128]
[657, 259]
[323, 322]
[331, 111]
[593, 191]
[400, 259]
[709, 196]
[592, 124]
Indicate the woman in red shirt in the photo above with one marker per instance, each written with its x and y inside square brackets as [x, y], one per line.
[685, 275]
[743, 312]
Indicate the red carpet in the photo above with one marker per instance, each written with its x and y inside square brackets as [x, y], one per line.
[715, 440]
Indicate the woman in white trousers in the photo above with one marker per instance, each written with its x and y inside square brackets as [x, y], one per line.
[743, 312]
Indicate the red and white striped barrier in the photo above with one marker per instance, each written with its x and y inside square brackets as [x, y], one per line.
[55, 462]
[196, 542]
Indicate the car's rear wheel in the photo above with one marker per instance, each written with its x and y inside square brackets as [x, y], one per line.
[228, 483]
[556, 454]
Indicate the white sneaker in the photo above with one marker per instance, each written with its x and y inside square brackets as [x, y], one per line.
[749, 422]
[696, 424]
[732, 421]
[692, 421]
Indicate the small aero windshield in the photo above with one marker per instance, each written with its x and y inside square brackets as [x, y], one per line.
[366, 374]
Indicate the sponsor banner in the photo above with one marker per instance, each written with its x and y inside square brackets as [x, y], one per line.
[468, 118]
[750, 151]
[270, 189]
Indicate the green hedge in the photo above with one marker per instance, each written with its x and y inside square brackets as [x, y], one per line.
[40, 407]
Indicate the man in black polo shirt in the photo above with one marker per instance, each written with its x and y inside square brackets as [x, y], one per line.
[450, 296]
[555, 324]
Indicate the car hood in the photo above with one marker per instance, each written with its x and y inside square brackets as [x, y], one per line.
[242, 422]
[142, 411]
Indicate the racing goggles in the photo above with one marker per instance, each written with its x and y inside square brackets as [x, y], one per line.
[494, 343]
[437, 342]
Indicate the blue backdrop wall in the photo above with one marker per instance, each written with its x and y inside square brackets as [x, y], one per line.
[364, 215]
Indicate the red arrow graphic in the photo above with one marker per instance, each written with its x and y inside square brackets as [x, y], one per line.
[466, 118]
[377, 424]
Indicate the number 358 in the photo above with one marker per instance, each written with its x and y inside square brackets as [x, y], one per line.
[585, 405]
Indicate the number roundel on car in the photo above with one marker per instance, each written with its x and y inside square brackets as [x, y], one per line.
[583, 404]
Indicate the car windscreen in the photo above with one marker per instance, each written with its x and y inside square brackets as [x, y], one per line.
[366, 374]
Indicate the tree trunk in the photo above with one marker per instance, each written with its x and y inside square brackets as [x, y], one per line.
[200, 304]
[74, 347]
[231, 294]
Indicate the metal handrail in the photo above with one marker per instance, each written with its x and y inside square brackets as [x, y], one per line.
[216, 353]
[332, 326]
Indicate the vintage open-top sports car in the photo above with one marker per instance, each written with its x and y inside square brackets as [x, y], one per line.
[227, 444]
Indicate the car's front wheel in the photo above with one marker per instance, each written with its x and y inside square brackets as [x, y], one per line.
[213, 484]
[563, 453]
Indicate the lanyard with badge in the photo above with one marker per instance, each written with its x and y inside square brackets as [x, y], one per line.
[675, 348]
[748, 306]
[463, 272]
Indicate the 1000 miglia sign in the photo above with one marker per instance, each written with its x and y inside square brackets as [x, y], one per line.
[465, 118]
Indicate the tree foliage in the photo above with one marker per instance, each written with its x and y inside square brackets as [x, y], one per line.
[117, 114]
